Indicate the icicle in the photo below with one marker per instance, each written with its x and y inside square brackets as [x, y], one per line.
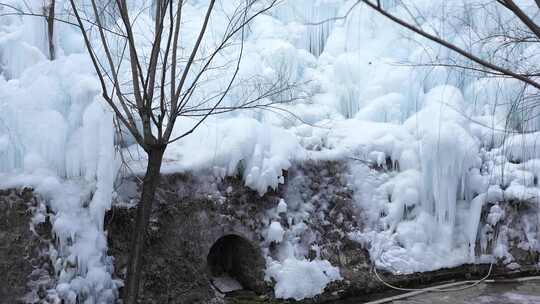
[473, 223]
[447, 153]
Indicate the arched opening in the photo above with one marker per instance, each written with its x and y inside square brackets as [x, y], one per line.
[234, 263]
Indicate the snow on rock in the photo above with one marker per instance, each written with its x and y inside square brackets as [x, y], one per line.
[282, 206]
[275, 232]
[83, 268]
[259, 153]
[300, 278]
[58, 138]
[427, 148]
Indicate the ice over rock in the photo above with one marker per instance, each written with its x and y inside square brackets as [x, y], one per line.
[435, 137]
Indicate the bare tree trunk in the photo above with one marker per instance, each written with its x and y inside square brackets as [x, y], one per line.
[50, 28]
[144, 210]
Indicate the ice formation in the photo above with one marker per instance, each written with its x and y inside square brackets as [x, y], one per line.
[438, 137]
[58, 138]
[275, 233]
[296, 276]
[299, 279]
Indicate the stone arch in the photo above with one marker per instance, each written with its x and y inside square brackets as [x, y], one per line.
[233, 256]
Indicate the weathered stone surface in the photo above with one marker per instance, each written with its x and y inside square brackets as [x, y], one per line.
[186, 223]
[24, 264]
[195, 216]
[193, 213]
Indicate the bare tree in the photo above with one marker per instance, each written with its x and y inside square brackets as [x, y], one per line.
[165, 83]
[529, 33]
[162, 84]
[161, 87]
[486, 52]
[491, 52]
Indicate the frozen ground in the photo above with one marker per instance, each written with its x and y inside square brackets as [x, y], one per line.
[527, 293]
[444, 139]
[492, 293]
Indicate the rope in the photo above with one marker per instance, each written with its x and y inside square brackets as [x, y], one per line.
[440, 288]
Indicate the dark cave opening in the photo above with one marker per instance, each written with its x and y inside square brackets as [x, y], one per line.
[235, 257]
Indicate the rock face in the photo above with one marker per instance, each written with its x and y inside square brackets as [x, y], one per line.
[206, 231]
[195, 234]
[203, 228]
[25, 272]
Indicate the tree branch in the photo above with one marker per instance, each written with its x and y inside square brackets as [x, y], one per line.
[451, 46]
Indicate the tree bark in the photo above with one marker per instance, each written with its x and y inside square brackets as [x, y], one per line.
[144, 210]
[50, 29]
